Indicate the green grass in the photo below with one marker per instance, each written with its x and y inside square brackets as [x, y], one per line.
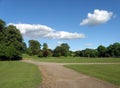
[15, 74]
[107, 72]
[73, 59]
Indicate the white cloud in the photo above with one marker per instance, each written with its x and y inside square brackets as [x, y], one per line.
[43, 31]
[98, 17]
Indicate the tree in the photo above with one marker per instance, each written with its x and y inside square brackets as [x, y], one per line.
[57, 51]
[11, 42]
[64, 49]
[113, 50]
[45, 46]
[2, 25]
[34, 47]
[40, 54]
[116, 47]
[47, 53]
[101, 51]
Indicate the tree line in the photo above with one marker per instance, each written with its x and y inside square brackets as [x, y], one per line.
[34, 48]
[12, 47]
[112, 50]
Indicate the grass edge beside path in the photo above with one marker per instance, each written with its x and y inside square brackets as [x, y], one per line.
[15, 74]
[106, 72]
[72, 59]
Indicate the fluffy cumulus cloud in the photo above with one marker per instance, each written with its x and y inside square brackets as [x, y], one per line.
[98, 17]
[43, 31]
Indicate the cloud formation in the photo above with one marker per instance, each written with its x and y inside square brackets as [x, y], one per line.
[43, 31]
[98, 17]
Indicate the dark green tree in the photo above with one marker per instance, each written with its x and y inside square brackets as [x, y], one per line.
[101, 51]
[2, 25]
[11, 42]
[113, 50]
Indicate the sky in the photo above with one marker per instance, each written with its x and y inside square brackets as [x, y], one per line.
[80, 23]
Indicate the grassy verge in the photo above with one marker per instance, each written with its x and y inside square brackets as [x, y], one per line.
[108, 72]
[19, 75]
[73, 59]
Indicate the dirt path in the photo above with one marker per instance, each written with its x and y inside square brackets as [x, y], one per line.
[55, 75]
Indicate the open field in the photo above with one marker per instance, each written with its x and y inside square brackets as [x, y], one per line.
[107, 72]
[73, 59]
[15, 74]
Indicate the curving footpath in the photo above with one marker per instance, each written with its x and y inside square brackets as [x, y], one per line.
[55, 75]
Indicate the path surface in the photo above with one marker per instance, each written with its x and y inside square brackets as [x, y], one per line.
[55, 75]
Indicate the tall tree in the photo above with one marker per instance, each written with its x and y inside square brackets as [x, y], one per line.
[34, 46]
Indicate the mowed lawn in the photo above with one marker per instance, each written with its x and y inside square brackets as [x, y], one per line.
[15, 74]
[72, 59]
[107, 72]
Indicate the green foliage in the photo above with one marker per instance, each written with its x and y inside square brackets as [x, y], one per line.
[113, 50]
[2, 24]
[47, 53]
[40, 54]
[34, 47]
[62, 50]
[107, 72]
[45, 46]
[11, 42]
[101, 51]
[110, 51]
[57, 51]
[87, 53]
[19, 75]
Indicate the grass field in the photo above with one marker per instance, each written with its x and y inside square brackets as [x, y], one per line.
[107, 72]
[73, 59]
[15, 74]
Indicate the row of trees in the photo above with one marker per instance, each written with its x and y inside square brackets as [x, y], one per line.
[112, 50]
[63, 50]
[35, 49]
[11, 42]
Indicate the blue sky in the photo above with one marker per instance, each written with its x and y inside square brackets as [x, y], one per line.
[58, 21]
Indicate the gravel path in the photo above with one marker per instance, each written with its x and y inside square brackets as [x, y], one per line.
[55, 75]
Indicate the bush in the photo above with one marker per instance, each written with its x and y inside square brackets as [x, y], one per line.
[9, 53]
[40, 54]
